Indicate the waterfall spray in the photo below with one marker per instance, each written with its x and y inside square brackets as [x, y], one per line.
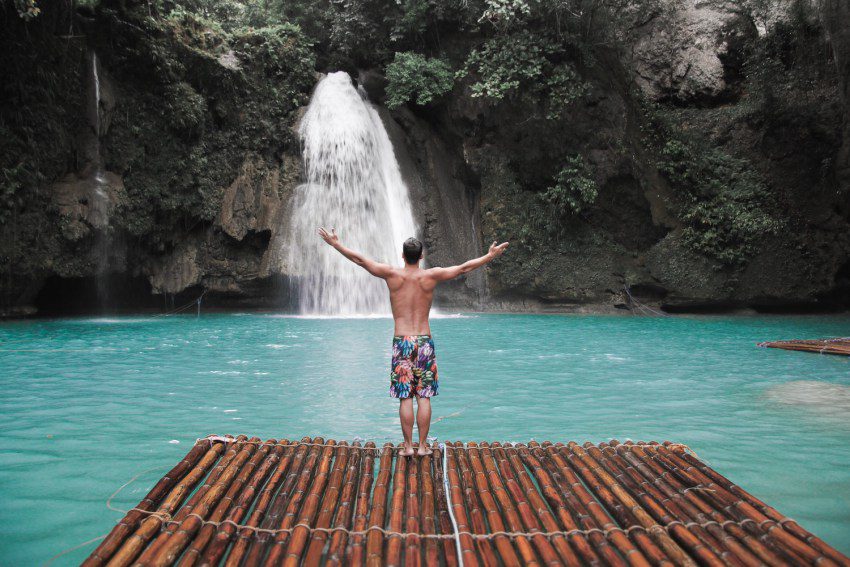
[353, 184]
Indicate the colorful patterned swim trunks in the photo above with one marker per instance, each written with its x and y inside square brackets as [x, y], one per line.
[414, 367]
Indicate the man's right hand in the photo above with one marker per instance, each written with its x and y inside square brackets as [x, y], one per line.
[329, 237]
[497, 250]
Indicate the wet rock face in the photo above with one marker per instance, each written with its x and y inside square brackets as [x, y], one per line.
[690, 51]
[444, 201]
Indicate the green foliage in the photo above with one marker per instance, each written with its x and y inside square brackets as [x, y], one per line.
[281, 50]
[574, 190]
[724, 203]
[564, 87]
[187, 109]
[27, 9]
[503, 63]
[415, 78]
[523, 63]
[504, 13]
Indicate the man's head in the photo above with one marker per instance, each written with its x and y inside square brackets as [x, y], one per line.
[412, 251]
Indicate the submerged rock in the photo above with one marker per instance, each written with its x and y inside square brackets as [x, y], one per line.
[822, 398]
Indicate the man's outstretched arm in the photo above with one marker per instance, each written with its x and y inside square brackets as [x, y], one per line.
[443, 274]
[375, 268]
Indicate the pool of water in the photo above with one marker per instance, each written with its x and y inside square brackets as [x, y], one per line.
[89, 403]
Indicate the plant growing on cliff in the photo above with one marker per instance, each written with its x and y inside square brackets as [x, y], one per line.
[521, 61]
[415, 78]
[724, 203]
[27, 9]
[574, 191]
[503, 63]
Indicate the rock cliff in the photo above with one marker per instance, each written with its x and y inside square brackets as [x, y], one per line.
[183, 185]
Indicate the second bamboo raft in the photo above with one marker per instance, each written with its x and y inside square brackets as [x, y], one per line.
[239, 501]
[822, 346]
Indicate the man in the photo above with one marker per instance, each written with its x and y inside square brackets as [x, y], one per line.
[414, 365]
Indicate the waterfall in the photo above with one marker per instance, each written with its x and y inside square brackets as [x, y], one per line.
[99, 200]
[353, 184]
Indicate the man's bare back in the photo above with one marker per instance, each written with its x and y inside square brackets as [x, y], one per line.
[411, 294]
[413, 371]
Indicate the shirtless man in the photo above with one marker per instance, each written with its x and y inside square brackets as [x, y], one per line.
[414, 366]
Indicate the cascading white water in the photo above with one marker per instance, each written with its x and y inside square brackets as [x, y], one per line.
[99, 201]
[353, 184]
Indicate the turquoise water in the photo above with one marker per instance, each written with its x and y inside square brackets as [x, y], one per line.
[89, 403]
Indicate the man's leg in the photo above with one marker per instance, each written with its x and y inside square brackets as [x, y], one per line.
[405, 414]
[423, 423]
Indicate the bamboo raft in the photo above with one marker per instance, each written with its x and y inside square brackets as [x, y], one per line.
[823, 346]
[239, 501]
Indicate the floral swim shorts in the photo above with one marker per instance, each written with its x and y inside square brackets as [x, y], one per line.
[414, 367]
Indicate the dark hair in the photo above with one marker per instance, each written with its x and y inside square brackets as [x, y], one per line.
[412, 250]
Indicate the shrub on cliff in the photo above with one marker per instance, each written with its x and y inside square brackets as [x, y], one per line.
[725, 205]
[415, 78]
[573, 192]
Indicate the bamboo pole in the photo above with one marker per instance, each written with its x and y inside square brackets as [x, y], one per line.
[429, 513]
[207, 531]
[457, 460]
[355, 553]
[132, 519]
[722, 501]
[413, 545]
[584, 503]
[786, 523]
[277, 552]
[377, 516]
[310, 509]
[494, 517]
[699, 510]
[267, 494]
[329, 504]
[133, 545]
[394, 542]
[260, 543]
[467, 545]
[788, 542]
[541, 517]
[345, 510]
[656, 503]
[724, 544]
[577, 504]
[557, 499]
[609, 490]
[169, 527]
[224, 534]
[509, 513]
[175, 545]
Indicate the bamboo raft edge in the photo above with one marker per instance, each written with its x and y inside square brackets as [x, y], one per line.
[243, 501]
[839, 346]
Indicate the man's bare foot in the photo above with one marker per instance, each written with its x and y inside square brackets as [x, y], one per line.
[407, 451]
[424, 451]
